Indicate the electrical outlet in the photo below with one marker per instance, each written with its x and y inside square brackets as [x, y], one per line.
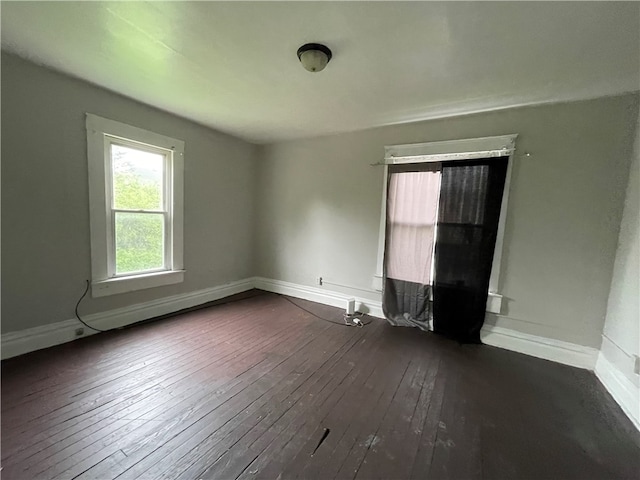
[318, 280]
[79, 332]
[636, 367]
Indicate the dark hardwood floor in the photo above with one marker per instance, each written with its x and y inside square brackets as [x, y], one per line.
[258, 388]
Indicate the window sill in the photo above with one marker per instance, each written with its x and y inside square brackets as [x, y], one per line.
[377, 283]
[494, 303]
[114, 286]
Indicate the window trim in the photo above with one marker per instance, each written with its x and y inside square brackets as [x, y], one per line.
[101, 132]
[452, 150]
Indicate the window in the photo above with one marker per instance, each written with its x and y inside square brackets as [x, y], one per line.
[433, 153]
[136, 197]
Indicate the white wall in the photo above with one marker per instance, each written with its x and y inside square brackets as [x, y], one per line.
[621, 336]
[45, 213]
[320, 199]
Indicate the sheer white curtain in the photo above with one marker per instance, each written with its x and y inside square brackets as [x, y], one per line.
[412, 205]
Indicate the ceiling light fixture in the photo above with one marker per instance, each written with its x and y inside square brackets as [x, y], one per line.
[314, 56]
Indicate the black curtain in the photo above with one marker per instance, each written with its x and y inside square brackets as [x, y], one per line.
[468, 215]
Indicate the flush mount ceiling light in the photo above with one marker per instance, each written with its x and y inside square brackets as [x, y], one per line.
[314, 56]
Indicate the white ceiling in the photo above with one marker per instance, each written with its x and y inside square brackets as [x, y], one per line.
[233, 65]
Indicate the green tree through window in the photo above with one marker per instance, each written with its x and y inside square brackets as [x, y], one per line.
[139, 237]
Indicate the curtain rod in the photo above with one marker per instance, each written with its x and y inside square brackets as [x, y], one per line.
[382, 163]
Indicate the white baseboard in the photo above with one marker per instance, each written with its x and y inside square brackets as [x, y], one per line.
[320, 295]
[623, 391]
[541, 347]
[29, 340]
[17, 343]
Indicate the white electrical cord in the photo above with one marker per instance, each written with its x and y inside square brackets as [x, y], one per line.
[354, 320]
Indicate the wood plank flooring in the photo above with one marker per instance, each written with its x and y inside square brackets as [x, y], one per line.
[259, 388]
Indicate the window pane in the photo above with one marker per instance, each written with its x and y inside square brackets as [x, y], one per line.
[137, 178]
[139, 242]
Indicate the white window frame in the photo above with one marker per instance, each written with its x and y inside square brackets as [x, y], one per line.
[101, 134]
[464, 149]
